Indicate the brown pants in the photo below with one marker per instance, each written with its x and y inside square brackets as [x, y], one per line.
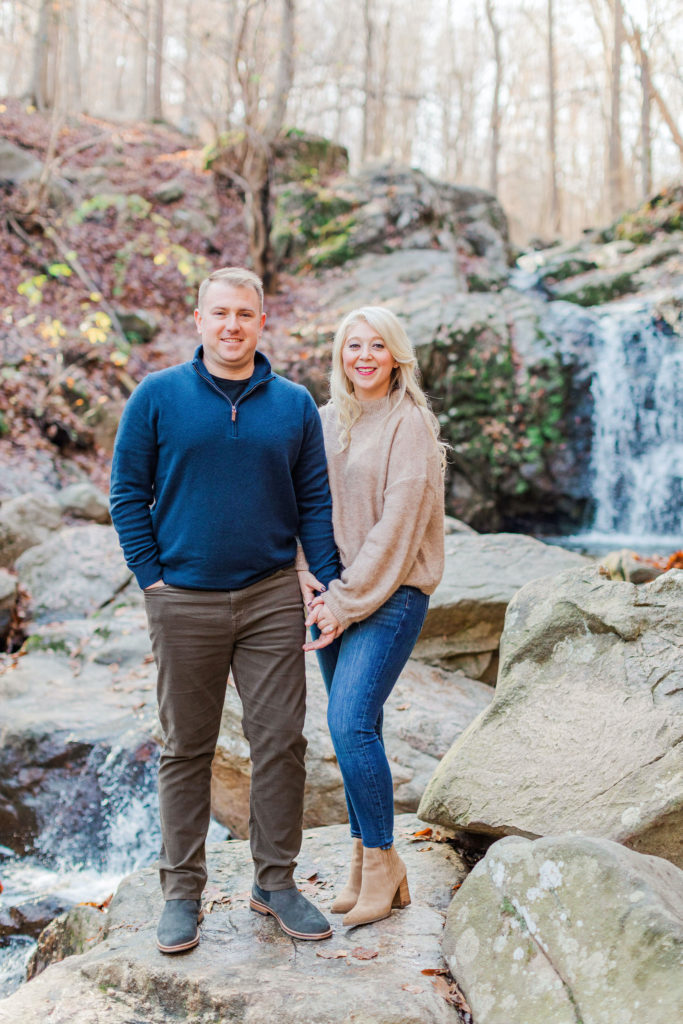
[197, 638]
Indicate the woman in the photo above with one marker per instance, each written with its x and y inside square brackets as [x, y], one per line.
[385, 465]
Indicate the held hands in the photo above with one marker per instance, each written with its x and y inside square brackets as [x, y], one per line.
[326, 622]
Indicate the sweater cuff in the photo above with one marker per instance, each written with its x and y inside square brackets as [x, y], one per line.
[148, 574]
[342, 618]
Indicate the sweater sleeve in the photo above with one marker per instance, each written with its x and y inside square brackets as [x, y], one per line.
[132, 487]
[314, 501]
[390, 548]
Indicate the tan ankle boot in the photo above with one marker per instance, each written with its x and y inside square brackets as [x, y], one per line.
[346, 900]
[384, 886]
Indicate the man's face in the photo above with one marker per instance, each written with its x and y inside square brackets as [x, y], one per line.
[229, 324]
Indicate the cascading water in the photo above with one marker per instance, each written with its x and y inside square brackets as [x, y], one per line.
[104, 826]
[637, 451]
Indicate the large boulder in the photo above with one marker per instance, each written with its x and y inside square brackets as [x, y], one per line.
[467, 611]
[245, 969]
[75, 572]
[386, 207]
[584, 732]
[18, 165]
[84, 501]
[75, 931]
[26, 521]
[426, 710]
[568, 929]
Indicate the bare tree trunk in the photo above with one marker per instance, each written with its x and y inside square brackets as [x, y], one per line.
[254, 177]
[495, 103]
[368, 74]
[158, 55]
[645, 125]
[285, 73]
[43, 83]
[143, 51]
[555, 214]
[74, 96]
[635, 40]
[615, 170]
[380, 104]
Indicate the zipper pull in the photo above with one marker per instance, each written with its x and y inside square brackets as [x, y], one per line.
[234, 413]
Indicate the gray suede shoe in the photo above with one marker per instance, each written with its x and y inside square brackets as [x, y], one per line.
[178, 928]
[292, 911]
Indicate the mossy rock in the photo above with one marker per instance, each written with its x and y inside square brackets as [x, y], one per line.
[570, 267]
[600, 288]
[663, 214]
[503, 420]
[312, 217]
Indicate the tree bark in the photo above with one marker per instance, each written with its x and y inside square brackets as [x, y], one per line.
[555, 213]
[645, 123]
[615, 170]
[368, 75]
[495, 103]
[158, 61]
[42, 89]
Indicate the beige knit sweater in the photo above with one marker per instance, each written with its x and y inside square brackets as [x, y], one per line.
[387, 506]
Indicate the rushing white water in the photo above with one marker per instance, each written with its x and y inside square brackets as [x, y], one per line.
[637, 452]
[83, 859]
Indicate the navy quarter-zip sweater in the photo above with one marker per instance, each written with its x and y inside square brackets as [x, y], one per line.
[209, 495]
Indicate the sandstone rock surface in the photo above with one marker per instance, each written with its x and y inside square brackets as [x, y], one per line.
[568, 929]
[26, 521]
[426, 710]
[467, 611]
[584, 731]
[245, 969]
[74, 573]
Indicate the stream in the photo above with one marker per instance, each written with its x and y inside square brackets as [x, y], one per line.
[105, 827]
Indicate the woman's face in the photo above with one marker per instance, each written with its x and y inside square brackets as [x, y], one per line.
[367, 361]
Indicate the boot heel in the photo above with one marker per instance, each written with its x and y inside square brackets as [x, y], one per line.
[402, 896]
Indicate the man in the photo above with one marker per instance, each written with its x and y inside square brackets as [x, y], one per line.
[218, 467]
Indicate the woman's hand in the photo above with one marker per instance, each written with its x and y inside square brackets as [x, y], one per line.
[327, 623]
[309, 586]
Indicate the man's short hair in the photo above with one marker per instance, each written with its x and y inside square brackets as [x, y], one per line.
[238, 276]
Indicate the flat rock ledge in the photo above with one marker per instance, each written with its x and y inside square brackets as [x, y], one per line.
[245, 969]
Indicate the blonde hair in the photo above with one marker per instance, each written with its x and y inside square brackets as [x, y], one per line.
[403, 381]
[237, 276]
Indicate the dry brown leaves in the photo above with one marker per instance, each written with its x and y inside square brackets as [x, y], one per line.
[445, 986]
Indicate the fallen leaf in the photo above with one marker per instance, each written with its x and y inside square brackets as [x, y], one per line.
[403, 707]
[415, 989]
[363, 954]
[442, 989]
[102, 905]
[434, 970]
[335, 954]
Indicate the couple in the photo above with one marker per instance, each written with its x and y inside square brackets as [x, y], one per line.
[220, 465]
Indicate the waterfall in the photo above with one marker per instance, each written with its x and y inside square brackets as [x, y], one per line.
[637, 450]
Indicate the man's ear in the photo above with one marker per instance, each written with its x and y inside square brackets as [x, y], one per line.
[198, 320]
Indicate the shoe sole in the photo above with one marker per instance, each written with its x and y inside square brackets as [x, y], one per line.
[183, 947]
[262, 909]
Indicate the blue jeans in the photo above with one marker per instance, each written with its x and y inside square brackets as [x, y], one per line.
[360, 669]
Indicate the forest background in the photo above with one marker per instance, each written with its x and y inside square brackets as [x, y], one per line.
[568, 111]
